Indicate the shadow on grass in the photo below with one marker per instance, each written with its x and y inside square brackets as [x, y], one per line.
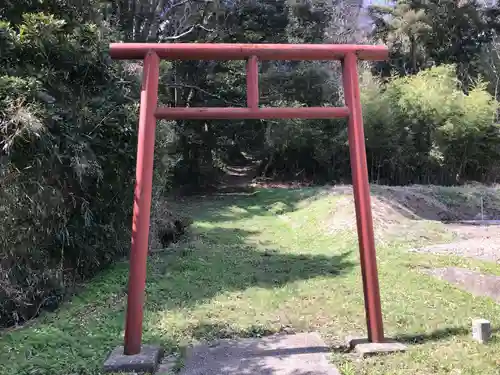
[221, 261]
[265, 202]
[438, 335]
[216, 260]
[77, 338]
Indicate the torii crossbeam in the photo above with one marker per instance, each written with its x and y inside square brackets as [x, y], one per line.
[150, 112]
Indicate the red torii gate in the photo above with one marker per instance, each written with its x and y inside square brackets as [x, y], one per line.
[150, 112]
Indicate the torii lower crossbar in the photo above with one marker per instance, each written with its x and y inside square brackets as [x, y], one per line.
[149, 113]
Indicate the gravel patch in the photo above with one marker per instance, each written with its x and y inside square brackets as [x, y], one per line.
[473, 282]
[487, 249]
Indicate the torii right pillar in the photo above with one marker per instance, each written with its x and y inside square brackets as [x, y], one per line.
[376, 342]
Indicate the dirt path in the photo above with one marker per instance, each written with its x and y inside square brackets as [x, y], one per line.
[238, 178]
[480, 242]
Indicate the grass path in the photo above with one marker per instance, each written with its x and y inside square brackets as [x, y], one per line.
[261, 264]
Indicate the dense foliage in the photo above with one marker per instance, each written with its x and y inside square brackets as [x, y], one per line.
[68, 115]
[424, 129]
[67, 146]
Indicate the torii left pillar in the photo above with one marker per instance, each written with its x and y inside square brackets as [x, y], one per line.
[140, 358]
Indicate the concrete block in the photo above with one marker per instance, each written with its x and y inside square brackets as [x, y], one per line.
[365, 348]
[481, 330]
[302, 353]
[146, 361]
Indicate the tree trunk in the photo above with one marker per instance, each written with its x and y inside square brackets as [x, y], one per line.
[413, 54]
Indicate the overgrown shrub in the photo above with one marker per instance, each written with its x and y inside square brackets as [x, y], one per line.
[424, 129]
[67, 146]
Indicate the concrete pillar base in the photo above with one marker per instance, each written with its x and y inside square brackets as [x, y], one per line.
[146, 361]
[365, 348]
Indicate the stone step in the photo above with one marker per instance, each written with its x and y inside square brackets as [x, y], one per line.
[297, 354]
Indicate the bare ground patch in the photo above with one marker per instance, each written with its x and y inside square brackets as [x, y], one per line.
[473, 282]
[398, 213]
[472, 241]
[421, 213]
[388, 221]
[487, 249]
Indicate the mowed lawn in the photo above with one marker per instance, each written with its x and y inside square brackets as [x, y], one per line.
[261, 264]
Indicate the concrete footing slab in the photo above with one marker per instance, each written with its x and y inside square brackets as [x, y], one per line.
[365, 348]
[144, 362]
[298, 354]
